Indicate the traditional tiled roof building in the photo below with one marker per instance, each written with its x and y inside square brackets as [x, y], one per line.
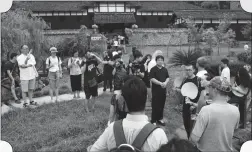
[114, 17]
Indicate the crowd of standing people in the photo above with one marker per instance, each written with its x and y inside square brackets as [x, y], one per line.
[143, 79]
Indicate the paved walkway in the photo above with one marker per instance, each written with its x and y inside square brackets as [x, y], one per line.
[45, 100]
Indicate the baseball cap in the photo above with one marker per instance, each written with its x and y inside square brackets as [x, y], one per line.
[53, 49]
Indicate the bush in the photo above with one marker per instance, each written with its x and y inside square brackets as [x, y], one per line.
[18, 28]
[181, 57]
[208, 51]
[244, 57]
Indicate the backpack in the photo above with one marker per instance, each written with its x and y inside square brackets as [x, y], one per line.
[136, 146]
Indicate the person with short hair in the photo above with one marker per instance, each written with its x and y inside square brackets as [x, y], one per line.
[107, 72]
[225, 72]
[202, 74]
[10, 68]
[26, 63]
[159, 78]
[146, 60]
[53, 64]
[136, 68]
[215, 124]
[90, 69]
[178, 145]
[74, 64]
[189, 105]
[134, 92]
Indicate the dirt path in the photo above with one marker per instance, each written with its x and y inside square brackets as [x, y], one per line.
[45, 100]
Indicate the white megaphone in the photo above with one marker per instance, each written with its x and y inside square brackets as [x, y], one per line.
[5, 146]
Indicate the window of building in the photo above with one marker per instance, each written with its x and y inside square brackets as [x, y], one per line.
[112, 7]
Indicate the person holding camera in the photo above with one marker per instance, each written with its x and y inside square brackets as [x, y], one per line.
[107, 72]
[136, 68]
[74, 64]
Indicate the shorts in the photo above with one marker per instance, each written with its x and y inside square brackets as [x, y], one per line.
[53, 79]
[91, 91]
[27, 85]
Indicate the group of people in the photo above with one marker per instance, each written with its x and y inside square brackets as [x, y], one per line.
[144, 79]
[211, 129]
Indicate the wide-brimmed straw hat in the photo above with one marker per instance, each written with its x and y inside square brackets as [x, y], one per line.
[53, 50]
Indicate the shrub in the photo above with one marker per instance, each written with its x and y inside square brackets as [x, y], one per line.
[181, 57]
[208, 51]
[18, 28]
[244, 57]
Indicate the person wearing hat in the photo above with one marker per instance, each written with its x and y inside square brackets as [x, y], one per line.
[215, 124]
[53, 64]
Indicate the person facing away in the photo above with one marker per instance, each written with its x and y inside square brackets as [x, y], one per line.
[26, 63]
[215, 124]
[74, 64]
[53, 64]
[202, 75]
[10, 67]
[159, 78]
[189, 105]
[240, 90]
[225, 72]
[178, 145]
[107, 72]
[135, 93]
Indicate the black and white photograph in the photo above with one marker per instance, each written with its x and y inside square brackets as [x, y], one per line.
[126, 76]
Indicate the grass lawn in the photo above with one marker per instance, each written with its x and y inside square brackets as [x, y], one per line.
[65, 127]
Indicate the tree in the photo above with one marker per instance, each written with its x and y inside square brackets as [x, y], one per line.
[222, 29]
[195, 32]
[210, 4]
[229, 38]
[19, 28]
[246, 31]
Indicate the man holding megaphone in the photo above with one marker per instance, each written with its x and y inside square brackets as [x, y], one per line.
[190, 89]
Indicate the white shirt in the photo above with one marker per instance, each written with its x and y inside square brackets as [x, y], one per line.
[115, 43]
[132, 125]
[225, 73]
[26, 73]
[53, 61]
[201, 74]
[75, 69]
